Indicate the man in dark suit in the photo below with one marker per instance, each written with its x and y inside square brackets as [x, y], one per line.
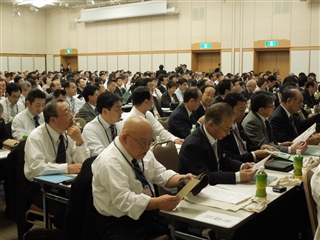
[308, 94]
[237, 145]
[160, 71]
[287, 124]
[248, 91]
[201, 151]
[119, 89]
[183, 117]
[208, 93]
[224, 88]
[88, 111]
[257, 126]
[183, 69]
[163, 79]
[81, 83]
[271, 82]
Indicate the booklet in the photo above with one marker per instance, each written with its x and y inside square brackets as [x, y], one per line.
[306, 134]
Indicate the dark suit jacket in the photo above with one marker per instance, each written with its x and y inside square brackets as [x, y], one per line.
[79, 91]
[4, 133]
[156, 103]
[166, 100]
[192, 82]
[282, 127]
[218, 99]
[199, 112]
[197, 156]
[162, 88]
[118, 91]
[308, 99]
[277, 99]
[159, 72]
[247, 95]
[87, 113]
[179, 122]
[230, 147]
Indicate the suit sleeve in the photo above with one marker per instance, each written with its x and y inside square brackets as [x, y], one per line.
[254, 131]
[178, 126]
[165, 101]
[84, 114]
[4, 133]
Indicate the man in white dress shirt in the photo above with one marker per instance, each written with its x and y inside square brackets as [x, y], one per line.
[71, 90]
[182, 85]
[102, 130]
[55, 147]
[25, 88]
[142, 102]
[11, 106]
[31, 117]
[122, 185]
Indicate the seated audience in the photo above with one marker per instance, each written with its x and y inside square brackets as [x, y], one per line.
[169, 96]
[224, 88]
[248, 91]
[122, 186]
[182, 85]
[308, 94]
[201, 151]
[102, 130]
[88, 111]
[71, 90]
[208, 93]
[163, 79]
[30, 118]
[4, 133]
[261, 85]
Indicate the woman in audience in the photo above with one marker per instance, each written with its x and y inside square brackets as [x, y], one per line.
[261, 85]
[4, 133]
[169, 96]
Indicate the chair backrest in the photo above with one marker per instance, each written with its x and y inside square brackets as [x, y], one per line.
[312, 205]
[81, 121]
[81, 214]
[166, 153]
[164, 122]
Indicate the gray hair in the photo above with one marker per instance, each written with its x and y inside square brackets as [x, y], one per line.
[250, 82]
[50, 110]
[217, 112]
[25, 85]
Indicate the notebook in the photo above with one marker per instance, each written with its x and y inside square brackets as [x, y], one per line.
[279, 164]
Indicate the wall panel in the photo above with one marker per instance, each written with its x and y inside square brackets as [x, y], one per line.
[171, 61]
[226, 62]
[82, 63]
[299, 61]
[14, 64]
[157, 59]
[145, 62]
[102, 63]
[184, 58]
[123, 62]
[49, 62]
[112, 63]
[27, 64]
[134, 63]
[92, 63]
[57, 63]
[40, 64]
[247, 61]
[315, 62]
[3, 64]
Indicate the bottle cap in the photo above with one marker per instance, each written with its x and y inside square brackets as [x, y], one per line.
[261, 169]
[298, 151]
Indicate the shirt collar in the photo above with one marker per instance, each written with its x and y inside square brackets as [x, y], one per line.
[135, 111]
[288, 114]
[55, 135]
[104, 123]
[94, 107]
[210, 138]
[29, 114]
[122, 149]
[203, 106]
[189, 112]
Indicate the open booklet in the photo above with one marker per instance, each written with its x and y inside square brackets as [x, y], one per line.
[306, 134]
[187, 188]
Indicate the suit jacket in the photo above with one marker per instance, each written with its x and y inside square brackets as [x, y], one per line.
[166, 99]
[197, 156]
[159, 72]
[192, 82]
[157, 105]
[218, 99]
[282, 127]
[118, 91]
[179, 123]
[4, 133]
[79, 91]
[277, 100]
[309, 99]
[230, 147]
[247, 95]
[199, 112]
[256, 130]
[162, 88]
[87, 113]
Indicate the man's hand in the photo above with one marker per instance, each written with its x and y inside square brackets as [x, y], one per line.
[75, 134]
[246, 175]
[288, 144]
[303, 146]
[260, 154]
[271, 148]
[179, 141]
[248, 165]
[74, 168]
[167, 202]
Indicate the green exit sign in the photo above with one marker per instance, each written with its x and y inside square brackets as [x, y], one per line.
[205, 45]
[68, 51]
[272, 44]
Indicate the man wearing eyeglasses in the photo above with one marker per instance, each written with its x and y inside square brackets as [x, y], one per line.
[122, 185]
[55, 147]
[201, 151]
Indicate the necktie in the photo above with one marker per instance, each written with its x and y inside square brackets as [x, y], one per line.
[113, 131]
[215, 149]
[36, 121]
[72, 104]
[293, 125]
[61, 155]
[239, 140]
[13, 112]
[96, 111]
[158, 221]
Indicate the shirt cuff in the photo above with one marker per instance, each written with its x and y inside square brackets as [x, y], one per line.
[63, 168]
[238, 177]
[289, 149]
[254, 157]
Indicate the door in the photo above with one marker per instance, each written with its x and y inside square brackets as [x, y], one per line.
[206, 61]
[274, 61]
[73, 60]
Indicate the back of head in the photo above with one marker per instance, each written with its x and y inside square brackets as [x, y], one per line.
[233, 98]
[261, 99]
[12, 87]
[59, 92]
[140, 94]
[224, 85]
[289, 92]
[217, 112]
[190, 93]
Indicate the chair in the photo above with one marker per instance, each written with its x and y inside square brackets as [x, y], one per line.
[166, 153]
[164, 122]
[312, 206]
[76, 115]
[81, 214]
[81, 121]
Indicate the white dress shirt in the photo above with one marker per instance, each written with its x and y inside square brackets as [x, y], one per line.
[179, 94]
[97, 135]
[24, 123]
[41, 152]
[77, 103]
[6, 115]
[116, 190]
[315, 189]
[22, 100]
[158, 129]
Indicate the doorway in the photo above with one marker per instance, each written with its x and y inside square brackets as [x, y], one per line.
[73, 60]
[273, 61]
[205, 61]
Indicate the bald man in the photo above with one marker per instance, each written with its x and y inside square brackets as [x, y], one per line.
[122, 186]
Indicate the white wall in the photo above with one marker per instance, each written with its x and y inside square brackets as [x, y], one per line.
[226, 62]
[247, 61]
[315, 62]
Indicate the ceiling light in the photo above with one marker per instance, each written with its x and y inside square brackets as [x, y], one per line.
[41, 3]
[16, 12]
[64, 5]
[91, 2]
[34, 9]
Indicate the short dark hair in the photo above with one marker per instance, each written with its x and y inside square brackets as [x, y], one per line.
[50, 110]
[68, 83]
[106, 100]
[12, 87]
[17, 79]
[89, 91]
[162, 76]
[59, 92]
[233, 98]
[182, 81]
[289, 93]
[32, 82]
[110, 81]
[261, 81]
[171, 84]
[205, 87]
[224, 85]
[310, 83]
[261, 99]
[35, 93]
[271, 78]
[217, 112]
[140, 94]
[190, 93]
[302, 81]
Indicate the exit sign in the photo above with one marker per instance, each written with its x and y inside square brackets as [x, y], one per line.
[271, 44]
[205, 45]
[68, 51]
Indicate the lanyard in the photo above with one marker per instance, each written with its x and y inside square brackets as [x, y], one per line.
[105, 130]
[54, 149]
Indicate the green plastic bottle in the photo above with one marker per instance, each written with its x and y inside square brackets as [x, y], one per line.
[261, 183]
[298, 161]
[193, 128]
[24, 137]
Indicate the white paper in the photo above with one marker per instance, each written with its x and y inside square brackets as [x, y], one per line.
[223, 195]
[306, 134]
[282, 155]
[218, 219]
[248, 188]
[261, 163]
